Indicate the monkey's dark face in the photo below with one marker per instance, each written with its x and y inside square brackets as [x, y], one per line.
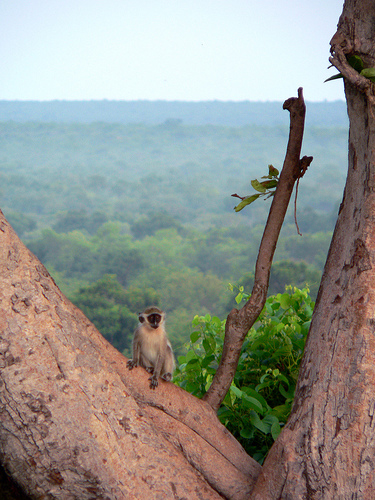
[153, 319]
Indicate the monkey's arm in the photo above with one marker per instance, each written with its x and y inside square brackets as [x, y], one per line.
[136, 353]
[169, 364]
[160, 360]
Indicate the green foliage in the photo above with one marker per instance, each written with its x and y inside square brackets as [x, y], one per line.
[21, 223]
[356, 63]
[196, 369]
[72, 220]
[150, 204]
[61, 174]
[265, 188]
[78, 256]
[182, 271]
[105, 304]
[147, 225]
[287, 272]
[261, 396]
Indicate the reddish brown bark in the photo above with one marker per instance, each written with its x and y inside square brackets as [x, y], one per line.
[327, 449]
[76, 423]
[240, 321]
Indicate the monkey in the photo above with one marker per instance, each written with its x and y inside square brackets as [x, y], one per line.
[151, 347]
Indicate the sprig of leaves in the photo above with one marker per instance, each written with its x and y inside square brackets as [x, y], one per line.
[264, 189]
[357, 64]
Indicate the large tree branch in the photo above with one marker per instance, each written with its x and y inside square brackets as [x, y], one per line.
[76, 423]
[240, 321]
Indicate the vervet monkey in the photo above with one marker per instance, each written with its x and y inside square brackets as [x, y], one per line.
[151, 347]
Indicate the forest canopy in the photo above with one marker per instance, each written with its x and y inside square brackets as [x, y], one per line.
[124, 214]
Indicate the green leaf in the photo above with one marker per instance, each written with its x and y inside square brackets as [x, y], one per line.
[279, 327]
[251, 392]
[252, 403]
[236, 391]
[216, 322]
[190, 355]
[194, 337]
[258, 186]
[275, 430]
[334, 77]
[356, 63]
[287, 395]
[283, 378]
[192, 364]
[207, 360]
[209, 345]
[284, 300]
[369, 73]
[281, 412]
[256, 421]
[272, 171]
[246, 433]
[269, 420]
[269, 184]
[246, 201]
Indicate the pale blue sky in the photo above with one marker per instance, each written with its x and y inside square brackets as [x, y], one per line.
[189, 50]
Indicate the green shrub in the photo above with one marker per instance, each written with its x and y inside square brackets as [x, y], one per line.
[261, 395]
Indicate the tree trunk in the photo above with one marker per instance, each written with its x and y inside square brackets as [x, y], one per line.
[327, 449]
[75, 423]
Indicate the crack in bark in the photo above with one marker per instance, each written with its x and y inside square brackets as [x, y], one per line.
[55, 357]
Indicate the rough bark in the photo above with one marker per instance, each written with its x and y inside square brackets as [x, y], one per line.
[75, 423]
[327, 449]
[240, 321]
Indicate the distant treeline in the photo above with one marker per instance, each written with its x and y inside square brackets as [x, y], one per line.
[323, 114]
[124, 215]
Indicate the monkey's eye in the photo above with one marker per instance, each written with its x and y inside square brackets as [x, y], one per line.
[154, 318]
[141, 319]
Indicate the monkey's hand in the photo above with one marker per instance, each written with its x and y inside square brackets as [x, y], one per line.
[131, 364]
[167, 377]
[150, 369]
[153, 382]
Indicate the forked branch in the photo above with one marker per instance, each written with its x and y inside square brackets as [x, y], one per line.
[240, 321]
[339, 60]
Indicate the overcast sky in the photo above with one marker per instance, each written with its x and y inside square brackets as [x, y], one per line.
[189, 50]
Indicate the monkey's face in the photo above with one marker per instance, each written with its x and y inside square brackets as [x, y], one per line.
[153, 319]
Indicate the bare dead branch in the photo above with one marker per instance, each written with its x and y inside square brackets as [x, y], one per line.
[240, 321]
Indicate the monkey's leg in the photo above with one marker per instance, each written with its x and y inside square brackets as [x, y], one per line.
[167, 377]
